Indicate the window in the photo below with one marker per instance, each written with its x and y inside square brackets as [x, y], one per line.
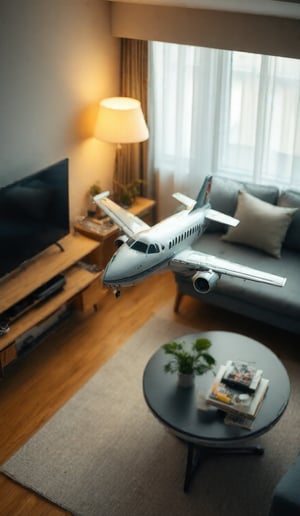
[224, 113]
[259, 119]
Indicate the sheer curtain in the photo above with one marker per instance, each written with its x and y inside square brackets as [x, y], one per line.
[219, 112]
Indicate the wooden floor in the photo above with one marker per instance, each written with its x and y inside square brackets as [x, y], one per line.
[45, 379]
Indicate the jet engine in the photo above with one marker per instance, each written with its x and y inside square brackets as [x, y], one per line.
[121, 240]
[204, 281]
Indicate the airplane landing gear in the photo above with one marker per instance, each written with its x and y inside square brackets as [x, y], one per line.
[117, 293]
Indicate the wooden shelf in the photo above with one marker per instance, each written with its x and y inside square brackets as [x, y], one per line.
[42, 268]
[77, 279]
[45, 266]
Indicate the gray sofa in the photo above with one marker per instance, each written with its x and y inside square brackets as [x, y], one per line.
[277, 306]
[286, 496]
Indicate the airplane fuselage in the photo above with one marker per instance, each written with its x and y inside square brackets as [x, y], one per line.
[152, 249]
[168, 245]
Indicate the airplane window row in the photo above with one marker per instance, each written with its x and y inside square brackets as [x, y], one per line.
[184, 235]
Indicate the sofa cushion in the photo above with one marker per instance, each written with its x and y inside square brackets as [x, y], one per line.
[262, 225]
[291, 198]
[224, 196]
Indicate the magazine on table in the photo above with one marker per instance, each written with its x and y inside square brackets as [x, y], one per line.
[238, 420]
[242, 375]
[235, 401]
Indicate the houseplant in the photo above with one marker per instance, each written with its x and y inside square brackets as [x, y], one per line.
[128, 192]
[189, 361]
[94, 189]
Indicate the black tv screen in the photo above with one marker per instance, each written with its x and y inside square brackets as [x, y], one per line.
[34, 214]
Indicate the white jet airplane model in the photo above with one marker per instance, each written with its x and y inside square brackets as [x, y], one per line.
[145, 250]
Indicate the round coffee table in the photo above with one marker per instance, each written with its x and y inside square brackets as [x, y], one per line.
[205, 430]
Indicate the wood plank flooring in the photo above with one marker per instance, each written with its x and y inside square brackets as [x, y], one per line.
[45, 379]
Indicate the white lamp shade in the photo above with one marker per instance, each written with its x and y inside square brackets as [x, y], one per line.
[121, 120]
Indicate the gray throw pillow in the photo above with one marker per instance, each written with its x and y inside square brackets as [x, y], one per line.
[291, 199]
[224, 197]
[262, 225]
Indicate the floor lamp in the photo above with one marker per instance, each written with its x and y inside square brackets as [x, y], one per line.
[120, 120]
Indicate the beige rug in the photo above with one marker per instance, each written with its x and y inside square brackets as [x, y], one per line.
[104, 454]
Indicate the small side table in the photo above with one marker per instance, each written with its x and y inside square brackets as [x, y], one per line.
[105, 232]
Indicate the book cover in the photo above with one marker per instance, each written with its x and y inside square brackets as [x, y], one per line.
[234, 401]
[242, 375]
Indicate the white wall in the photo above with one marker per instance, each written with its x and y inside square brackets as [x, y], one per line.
[57, 59]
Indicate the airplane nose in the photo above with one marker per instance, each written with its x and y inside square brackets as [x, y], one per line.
[111, 272]
[121, 269]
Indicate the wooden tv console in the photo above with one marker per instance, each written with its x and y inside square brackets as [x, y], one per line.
[82, 288]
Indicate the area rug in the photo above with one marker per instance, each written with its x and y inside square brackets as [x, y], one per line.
[104, 454]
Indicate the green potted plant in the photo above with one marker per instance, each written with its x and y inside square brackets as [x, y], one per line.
[189, 361]
[128, 192]
[94, 189]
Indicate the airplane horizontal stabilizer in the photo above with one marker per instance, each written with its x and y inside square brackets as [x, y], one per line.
[187, 202]
[218, 216]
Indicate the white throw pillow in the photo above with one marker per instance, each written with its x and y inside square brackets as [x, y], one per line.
[262, 225]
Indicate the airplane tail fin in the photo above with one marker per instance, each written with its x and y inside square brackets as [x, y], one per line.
[203, 196]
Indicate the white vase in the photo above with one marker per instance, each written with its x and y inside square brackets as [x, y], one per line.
[186, 380]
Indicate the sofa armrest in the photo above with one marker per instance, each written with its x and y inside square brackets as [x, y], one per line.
[286, 496]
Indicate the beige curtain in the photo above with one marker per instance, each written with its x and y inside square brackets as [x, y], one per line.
[134, 83]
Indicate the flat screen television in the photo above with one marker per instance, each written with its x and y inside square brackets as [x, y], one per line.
[34, 214]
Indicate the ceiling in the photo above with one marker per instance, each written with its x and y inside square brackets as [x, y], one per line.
[282, 8]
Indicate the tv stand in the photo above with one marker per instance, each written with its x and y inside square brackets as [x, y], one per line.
[53, 280]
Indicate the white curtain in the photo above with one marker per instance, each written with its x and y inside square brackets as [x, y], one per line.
[225, 113]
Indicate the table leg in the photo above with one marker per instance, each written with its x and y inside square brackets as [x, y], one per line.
[195, 453]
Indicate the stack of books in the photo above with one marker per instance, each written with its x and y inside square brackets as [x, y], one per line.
[239, 390]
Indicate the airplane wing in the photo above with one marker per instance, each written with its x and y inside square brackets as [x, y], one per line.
[129, 223]
[190, 260]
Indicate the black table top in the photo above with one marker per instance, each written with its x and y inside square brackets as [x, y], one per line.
[176, 407]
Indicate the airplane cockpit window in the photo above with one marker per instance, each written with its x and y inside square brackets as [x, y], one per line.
[142, 247]
[130, 241]
[153, 248]
[137, 245]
